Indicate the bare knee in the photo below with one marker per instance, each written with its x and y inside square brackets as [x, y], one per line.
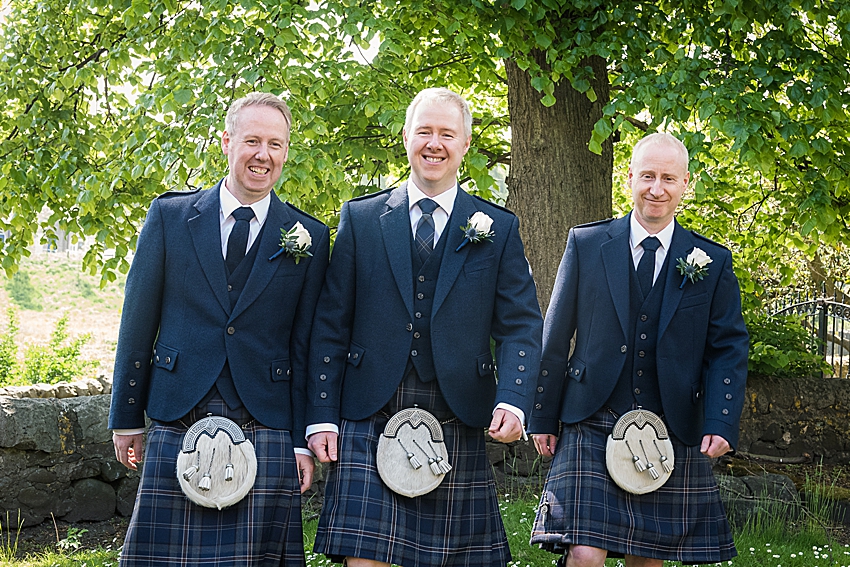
[586, 556]
[634, 561]
[357, 562]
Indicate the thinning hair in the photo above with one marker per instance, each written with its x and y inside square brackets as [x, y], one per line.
[231, 121]
[440, 95]
[660, 139]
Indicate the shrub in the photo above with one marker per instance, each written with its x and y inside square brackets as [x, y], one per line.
[22, 292]
[781, 346]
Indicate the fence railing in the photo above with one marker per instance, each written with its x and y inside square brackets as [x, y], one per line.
[828, 317]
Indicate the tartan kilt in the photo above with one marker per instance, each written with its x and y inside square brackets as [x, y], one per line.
[263, 529]
[457, 524]
[684, 520]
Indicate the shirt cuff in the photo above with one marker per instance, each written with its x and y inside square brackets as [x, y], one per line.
[321, 427]
[517, 412]
[300, 451]
[137, 431]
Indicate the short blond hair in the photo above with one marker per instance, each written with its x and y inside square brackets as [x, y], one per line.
[231, 121]
[660, 139]
[440, 95]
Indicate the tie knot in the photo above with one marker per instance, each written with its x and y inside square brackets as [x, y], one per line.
[650, 244]
[243, 213]
[427, 206]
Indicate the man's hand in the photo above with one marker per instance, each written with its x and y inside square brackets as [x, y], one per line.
[714, 446]
[505, 426]
[305, 466]
[129, 449]
[323, 444]
[545, 444]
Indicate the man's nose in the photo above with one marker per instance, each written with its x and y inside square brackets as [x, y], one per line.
[262, 152]
[434, 142]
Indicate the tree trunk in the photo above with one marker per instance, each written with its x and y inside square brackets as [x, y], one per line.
[555, 182]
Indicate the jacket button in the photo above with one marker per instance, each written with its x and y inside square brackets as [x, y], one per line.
[323, 395]
[409, 327]
[420, 296]
[643, 336]
[231, 330]
[131, 401]
[168, 360]
[728, 396]
[229, 287]
[132, 382]
[421, 278]
[623, 348]
[413, 352]
[640, 372]
[522, 353]
[540, 389]
[484, 366]
[725, 412]
[727, 381]
[521, 368]
[538, 406]
[641, 354]
[279, 371]
[327, 359]
[323, 377]
[139, 365]
[643, 317]
[157, 359]
[575, 371]
[418, 315]
[637, 391]
[289, 372]
[416, 335]
[544, 372]
[355, 355]
[519, 381]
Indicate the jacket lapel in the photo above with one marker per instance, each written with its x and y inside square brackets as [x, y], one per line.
[683, 242]
[617, 262]
[452, 261]
[263, 270]
[205, 229]
[396, 232]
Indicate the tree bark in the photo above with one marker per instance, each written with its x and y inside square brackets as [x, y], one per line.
[555, 182]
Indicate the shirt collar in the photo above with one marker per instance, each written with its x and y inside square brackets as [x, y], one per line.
[446, 199]
[637, 233]
[229, 203]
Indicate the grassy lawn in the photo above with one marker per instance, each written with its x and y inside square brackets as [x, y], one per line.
[768, 544]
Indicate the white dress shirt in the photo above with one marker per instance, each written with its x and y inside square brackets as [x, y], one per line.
[636, 235]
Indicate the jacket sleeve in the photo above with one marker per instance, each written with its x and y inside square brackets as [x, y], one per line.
[558, 330]
[140, 320]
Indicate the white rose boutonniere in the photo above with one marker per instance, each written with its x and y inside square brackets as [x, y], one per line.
[477, 229]
[694, 267]
[295, 243]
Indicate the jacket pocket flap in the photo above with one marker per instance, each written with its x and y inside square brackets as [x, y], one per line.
[355, 354]
[164, 357]
[575, 370]
[281, 370]
[486, 367]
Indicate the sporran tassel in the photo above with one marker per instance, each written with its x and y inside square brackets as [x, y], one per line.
[652, 471]
[665, 462]
[444, 465]
[190, 472]
[206, 481]
[411, 458]
[435, 467]
[638, 464]
[228, 472]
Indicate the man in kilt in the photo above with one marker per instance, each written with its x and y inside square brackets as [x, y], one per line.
[217, 321]
[664, 334]
[410, 304]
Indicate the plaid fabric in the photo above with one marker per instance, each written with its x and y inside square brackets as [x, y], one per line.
[264, 529]
[457, 524]
[682, 521]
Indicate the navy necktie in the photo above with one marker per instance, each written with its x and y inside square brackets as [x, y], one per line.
[237, 242]
[425, 229]
[646, 266]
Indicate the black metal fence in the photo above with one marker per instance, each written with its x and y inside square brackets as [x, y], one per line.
[828, 317]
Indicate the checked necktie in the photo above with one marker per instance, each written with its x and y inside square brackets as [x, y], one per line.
[646, 266]
[425, 229]
[237, 242]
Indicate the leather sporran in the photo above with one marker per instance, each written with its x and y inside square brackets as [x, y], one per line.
[217, 465]
[412, 456]
[639, 453]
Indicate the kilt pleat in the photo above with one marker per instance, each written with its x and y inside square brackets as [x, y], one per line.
[263, 529]
[683, 521]
[457, 524]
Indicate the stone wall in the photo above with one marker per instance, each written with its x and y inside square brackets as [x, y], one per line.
[794, 418]
[56, 454]
[56, 457]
